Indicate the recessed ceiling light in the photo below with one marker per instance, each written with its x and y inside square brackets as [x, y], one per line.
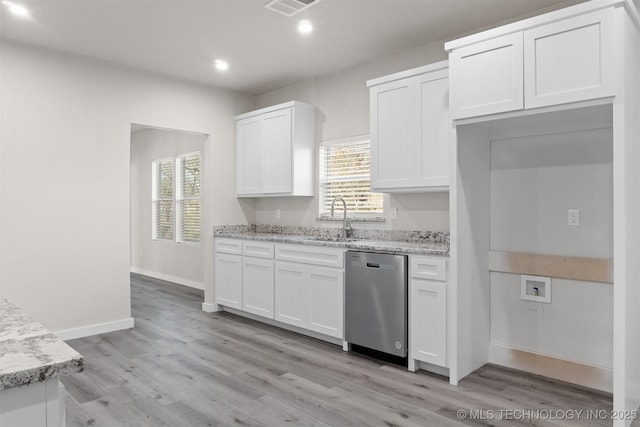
[305, 26]
[16, 9]
[221, 64]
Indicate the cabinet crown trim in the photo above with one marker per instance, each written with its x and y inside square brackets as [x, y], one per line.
[535, 21]
[442, 65]
[290, 104]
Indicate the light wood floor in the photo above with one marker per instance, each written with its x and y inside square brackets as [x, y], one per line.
[180, 366]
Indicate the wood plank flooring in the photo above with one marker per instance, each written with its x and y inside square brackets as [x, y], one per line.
[180, 366]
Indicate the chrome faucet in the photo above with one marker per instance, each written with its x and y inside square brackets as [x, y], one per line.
[346, 223]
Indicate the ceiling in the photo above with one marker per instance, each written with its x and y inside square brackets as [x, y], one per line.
[182, 38]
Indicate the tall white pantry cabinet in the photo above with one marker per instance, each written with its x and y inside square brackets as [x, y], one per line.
[537, 89]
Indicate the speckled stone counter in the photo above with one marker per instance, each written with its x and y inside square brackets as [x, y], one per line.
[402, 242]
[29, 353]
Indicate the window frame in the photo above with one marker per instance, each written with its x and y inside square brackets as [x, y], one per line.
[324, 215]
[176, 199]
[156, 199]
[180, 198]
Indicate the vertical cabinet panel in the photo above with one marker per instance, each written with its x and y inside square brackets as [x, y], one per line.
[427, 310]
[291, 291]
[258, 286]
[228, 280]
[277, 156]
[391, 134]
[569, 60]
[487, 77]
[249, 150]
[434, 130]
[326, 289]
[428, 331]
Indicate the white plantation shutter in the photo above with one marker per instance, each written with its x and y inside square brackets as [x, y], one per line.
[188, 198]
[162, 199]
[345, 172]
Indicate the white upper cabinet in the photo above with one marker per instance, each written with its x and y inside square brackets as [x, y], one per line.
[275, 151]
[542, 61]
[569, 60]
[410, 130]
[486, 77]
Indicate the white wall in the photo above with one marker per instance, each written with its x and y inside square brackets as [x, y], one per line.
[342, 102]
[64, 186]
[534, 181]
[177, 262]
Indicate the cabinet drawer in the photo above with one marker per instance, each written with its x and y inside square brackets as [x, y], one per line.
[257, 249]
[316, 255]
[428, 268]
[228, 246]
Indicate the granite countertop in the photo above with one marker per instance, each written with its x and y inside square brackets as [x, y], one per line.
[402, 242]
[29, 353]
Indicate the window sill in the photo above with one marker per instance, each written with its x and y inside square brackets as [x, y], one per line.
[352, 218]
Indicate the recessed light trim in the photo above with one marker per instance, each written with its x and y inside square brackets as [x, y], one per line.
[16, 9]
[305, 26]
[221, 65]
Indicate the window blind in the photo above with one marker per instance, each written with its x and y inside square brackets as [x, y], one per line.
[345, 172]
[188, 197]
[162, 215]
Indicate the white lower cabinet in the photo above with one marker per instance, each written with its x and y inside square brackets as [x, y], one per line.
[228, 272]
[309, 294]
[326, 288]
[310, 297]
[257, 278]
[292, 293]
[303, 287]
[228, 280]
[427, 311]
[257, 282]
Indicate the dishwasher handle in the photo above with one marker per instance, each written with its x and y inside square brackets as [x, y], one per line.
[373, 265]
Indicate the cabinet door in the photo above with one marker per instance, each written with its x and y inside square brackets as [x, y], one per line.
[291, 294]
[277, 152]
[434, 130]
[392, 134]
[428, 321]
[569, 60]
[487, 77]
[228, 280]
[249, 157]
[257, 281]
[326, 287]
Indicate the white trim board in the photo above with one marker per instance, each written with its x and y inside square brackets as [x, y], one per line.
[95, 329]
[168, 278]
[210, 308]
[597, 377]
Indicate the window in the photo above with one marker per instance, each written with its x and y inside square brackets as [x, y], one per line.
[176, 201]
[345, 172]
[188, 197]
[162, 199]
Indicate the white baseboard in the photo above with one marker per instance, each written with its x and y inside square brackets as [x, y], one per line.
[96, 329]
[210, 307]
[597, 377]
[168, 278]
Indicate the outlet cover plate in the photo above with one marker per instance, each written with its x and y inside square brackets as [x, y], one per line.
[535, 288]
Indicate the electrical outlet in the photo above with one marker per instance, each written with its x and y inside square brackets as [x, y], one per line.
[277, 213]
[394, 213]
[573, 216]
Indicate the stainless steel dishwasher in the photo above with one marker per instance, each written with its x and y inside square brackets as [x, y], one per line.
[376, 301]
